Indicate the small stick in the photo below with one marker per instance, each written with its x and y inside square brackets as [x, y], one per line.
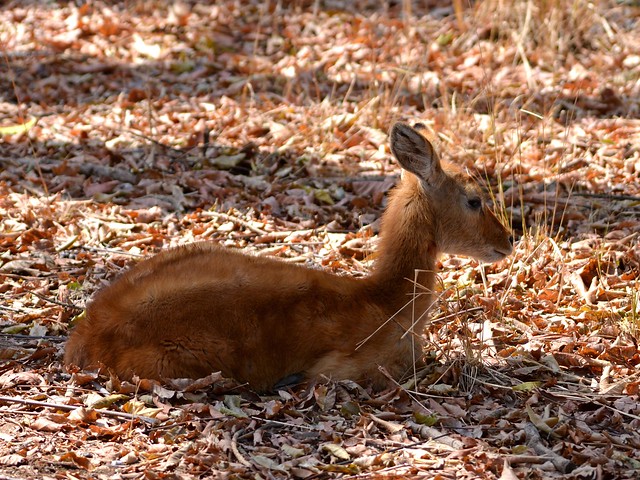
[113, 251]
[515, 459]
[19, 336]
[14, 310]
[435, 435]
[54, 301]
[608, 196]
[152, 140]
[206, 135]
[239, 221]
[60, 406]
[41, 276]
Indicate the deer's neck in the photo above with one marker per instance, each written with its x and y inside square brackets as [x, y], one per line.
[407, 250]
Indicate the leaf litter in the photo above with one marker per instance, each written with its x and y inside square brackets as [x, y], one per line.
[130, 127]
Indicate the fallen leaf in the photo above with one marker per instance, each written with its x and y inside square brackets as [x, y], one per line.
[335, 450]
[12, 460]
[45, 424]
[232, 406]
[83, 415]
[136, 407]
[82, 462]
[267, 463]
[11, 379]
[96, 401]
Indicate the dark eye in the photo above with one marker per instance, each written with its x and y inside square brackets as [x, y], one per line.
[474, 203]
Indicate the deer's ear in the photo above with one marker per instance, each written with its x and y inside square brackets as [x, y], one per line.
[415, 153]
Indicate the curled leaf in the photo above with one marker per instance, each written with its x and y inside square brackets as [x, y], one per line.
[335, 450]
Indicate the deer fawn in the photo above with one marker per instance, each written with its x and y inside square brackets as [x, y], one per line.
[201, 308]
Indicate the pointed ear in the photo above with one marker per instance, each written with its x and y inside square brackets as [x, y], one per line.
[414, 153]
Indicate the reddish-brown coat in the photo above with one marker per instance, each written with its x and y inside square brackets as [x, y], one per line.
[202, 308]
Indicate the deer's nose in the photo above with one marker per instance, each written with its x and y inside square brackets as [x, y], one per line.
[511, 239]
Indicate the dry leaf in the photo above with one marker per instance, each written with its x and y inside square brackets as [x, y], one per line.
[82, 462]
[47, 424]
[12, 460]
[336, 451]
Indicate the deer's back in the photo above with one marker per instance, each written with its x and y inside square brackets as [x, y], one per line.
[197, 309]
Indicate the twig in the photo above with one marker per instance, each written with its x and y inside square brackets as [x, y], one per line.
[19, 336]
[435, 435]
[114, 251]
[14, 310]
[515, 459]
[54, 301]
[239, 221]
[236, 450]
[40, 276]
[152, 140]
[60, 406]
[119, 174]
[608, 196]
[268, 423]
[206, 136]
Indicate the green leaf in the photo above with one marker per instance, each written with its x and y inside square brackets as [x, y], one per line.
[444, 39]
[350, 469]
[424, 419]
[226, 162]
[74, 286]
[78, 318]
[14, 329]
[97, 401]
[323, 196]
[519, 449]
[183, 66]
[526, 386]
[232, 406]
[21, 128]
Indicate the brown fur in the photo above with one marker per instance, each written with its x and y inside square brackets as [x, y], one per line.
[202, 308]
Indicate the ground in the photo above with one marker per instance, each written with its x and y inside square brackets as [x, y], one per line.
[129, 127]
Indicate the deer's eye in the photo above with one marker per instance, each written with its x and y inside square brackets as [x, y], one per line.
[474, 203]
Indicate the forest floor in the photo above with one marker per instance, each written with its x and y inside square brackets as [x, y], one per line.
[130, 127]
